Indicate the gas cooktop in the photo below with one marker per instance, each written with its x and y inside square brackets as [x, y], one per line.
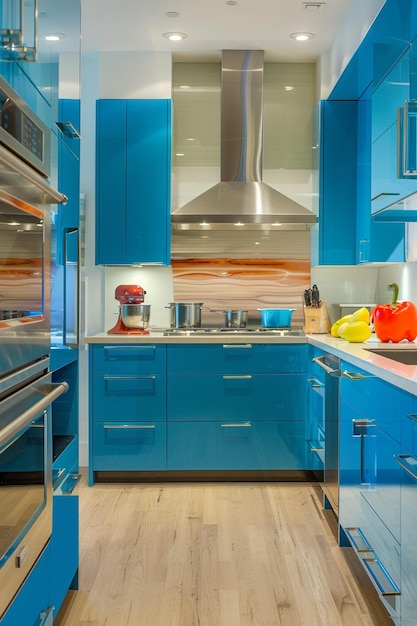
[277, 332]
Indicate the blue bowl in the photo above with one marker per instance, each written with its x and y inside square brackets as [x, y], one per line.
[276, 318]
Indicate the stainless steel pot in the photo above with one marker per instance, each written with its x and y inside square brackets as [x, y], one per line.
[135, 315]
[185, 314]
[236, 318]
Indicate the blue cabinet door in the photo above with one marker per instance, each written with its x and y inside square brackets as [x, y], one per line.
[390, 138]
[241, 445]
[133, 182]
[33, 598]
[64, 549]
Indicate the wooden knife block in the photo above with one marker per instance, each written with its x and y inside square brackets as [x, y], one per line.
[316, 319]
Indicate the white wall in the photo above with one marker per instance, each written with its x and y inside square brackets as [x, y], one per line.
[353, 29]
[112, 75]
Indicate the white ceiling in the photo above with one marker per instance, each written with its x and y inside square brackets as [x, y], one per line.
[213, 25]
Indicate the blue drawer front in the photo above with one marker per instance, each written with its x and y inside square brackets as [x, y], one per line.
[236, 446]
[375, 399]
[119, 359]
[196, 397]
[119, 398]
[132, 446]
[237, 358]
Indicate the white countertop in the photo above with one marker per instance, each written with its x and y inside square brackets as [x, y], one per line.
[398, 374]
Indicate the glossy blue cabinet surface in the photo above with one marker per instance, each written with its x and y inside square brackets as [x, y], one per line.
[236, 406]
[238, 445]
[388, 186]
[127, 408]
[195, 407]
[64, 549]
[315, 431]
[69, 165]
[236, 358]
[370, 478]
[33, 597]
[133, 182]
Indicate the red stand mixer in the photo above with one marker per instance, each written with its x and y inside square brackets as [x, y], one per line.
[133, 314]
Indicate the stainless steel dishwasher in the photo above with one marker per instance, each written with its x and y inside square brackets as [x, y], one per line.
[331, 365]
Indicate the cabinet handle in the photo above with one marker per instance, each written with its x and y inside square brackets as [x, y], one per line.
[315, 384]
[412, 417]
[129, 377]
[241, 425]
[237, 345]
[326, 368]
[360, 426]
[129, 426]
[406, 140]
[407, 462]
[354, 375]
[375, 567]
[237, 377]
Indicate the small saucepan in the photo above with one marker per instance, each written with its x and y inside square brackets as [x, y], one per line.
[236, 318]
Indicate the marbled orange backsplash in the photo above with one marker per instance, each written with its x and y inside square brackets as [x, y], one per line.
[247, 284]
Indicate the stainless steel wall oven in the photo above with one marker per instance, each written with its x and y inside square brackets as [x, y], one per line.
[26, 390]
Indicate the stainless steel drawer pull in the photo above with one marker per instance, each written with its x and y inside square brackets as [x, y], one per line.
[354, 375]
[412, 417]
[237, 377]
[241, 425]
[407, 462]
[237, 345]
[385, 584]
[380, 576]
[360, 427]
[129, 426]
[129, 377]
[319, 360]
[315, 384]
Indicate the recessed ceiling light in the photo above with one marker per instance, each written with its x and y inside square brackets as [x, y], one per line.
[231, 2]
[302, 36]
[175, 36]
[289, 87]
[172, 14]
[54, 36]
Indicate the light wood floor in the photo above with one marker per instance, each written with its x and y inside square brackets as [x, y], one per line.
[218, 554]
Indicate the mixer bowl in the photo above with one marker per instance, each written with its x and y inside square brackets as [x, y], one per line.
[135, 315]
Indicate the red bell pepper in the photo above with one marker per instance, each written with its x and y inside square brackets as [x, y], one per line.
[396, 321]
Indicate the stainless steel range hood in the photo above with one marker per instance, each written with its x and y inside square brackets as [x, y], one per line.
[241, 196]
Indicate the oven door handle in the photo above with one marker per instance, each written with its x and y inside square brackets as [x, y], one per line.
[51, 392]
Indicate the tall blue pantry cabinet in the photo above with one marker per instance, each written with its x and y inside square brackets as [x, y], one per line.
[133, 182]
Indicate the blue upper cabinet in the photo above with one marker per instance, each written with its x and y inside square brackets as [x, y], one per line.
[337, 184]
[133, 182]
[394, 166]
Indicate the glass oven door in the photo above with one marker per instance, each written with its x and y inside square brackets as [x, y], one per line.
[25, 481]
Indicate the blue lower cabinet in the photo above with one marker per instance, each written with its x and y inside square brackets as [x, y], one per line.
[124, 359]
[129, 446]
[32, 606]
[64, 549]
[408, 539]
[236, 445]
[197, 397]
[369, 490]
